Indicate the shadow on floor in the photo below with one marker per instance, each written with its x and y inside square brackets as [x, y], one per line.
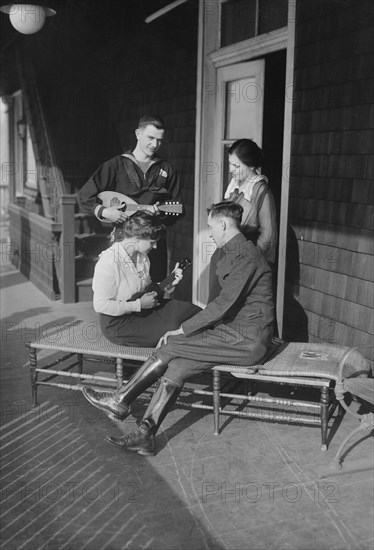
[64, 487]
[12, 278]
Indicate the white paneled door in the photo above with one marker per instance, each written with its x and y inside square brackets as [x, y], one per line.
[235, 112]
[239, 109]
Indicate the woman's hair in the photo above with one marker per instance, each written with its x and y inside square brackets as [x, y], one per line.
[141, 225]
[227, 209]
[248, 152]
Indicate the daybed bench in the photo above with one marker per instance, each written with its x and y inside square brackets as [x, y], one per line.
[299, 365]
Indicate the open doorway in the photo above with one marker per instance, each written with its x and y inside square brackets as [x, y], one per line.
[249, 102]
[273, 128]
[273, 121]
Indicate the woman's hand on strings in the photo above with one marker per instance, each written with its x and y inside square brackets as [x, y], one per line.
[178, 276]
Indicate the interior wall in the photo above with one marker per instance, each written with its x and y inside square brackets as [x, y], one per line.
[273, 129]
[273, 123]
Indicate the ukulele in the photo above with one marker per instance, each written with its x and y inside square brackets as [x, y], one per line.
[125, 204]
[162, 286]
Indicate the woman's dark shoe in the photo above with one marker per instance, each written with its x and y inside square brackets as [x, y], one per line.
[108, 402]
[141, 440]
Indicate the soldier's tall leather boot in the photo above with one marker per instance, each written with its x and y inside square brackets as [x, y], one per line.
[117, 404]
[142, 440]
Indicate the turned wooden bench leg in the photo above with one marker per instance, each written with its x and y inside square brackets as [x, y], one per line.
[216, 399]
[325, 401]
[80, 362]
[33, 376]
[119, 372]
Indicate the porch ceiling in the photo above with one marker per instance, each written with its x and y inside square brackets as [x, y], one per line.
[88, 29]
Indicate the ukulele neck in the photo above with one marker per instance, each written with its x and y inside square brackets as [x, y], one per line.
[166, 282]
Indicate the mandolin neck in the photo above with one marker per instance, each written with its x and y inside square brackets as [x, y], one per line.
[134, 207]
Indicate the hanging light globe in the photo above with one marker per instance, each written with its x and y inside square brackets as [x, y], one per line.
[27, 18]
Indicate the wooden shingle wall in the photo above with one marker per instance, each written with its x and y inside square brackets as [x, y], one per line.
[329, 295]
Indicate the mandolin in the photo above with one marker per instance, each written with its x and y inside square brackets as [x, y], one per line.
[162, 285]
[128, 205]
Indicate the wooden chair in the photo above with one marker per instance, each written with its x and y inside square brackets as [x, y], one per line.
[362, 388]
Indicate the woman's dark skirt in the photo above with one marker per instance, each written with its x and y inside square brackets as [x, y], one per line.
[146, 327]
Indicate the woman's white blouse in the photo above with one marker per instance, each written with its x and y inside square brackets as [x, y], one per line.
[117, 278]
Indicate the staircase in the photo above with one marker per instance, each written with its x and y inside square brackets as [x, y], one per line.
[91, 238]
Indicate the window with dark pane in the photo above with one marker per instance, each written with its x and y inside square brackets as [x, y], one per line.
[243, 19]
[272, 14]
[238, 21]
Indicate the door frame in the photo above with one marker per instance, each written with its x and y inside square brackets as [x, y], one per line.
[210, 59]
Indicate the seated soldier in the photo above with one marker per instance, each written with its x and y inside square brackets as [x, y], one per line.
[236, 327]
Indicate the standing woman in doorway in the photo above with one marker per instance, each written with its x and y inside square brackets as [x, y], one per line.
[250, 188]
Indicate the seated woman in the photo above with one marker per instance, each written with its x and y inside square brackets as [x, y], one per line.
[129, 316]
[250, 188]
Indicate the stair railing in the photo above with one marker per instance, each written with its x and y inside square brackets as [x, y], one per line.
[58, 205]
